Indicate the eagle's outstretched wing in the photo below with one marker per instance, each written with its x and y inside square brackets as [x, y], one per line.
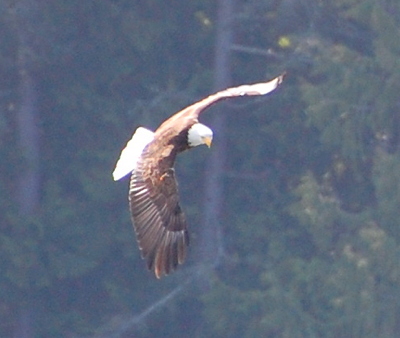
[193, 111]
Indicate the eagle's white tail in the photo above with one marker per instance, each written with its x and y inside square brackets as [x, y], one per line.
[131, 153]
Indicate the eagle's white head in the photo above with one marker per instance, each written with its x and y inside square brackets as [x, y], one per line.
[199, 134]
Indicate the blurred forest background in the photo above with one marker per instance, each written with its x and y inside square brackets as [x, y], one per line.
[294, 213]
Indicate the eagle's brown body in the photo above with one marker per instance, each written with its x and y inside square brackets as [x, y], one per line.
[159, 221]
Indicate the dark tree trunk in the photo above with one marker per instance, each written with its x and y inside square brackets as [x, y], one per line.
[211, 240]
[27, 194]
[28, 187]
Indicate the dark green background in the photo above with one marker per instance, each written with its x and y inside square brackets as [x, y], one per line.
[310, 222]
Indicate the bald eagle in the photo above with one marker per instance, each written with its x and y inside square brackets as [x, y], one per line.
[158, 219]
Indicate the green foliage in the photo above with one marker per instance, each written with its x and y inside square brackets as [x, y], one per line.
[311, 239]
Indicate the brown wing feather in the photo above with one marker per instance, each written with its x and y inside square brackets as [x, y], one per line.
[159, 221]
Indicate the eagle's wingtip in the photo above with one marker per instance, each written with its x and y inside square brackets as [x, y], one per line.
[281, 77]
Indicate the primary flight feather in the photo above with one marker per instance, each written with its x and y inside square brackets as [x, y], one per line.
[158, 219]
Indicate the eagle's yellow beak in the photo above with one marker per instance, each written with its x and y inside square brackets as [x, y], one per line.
[207, 141]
